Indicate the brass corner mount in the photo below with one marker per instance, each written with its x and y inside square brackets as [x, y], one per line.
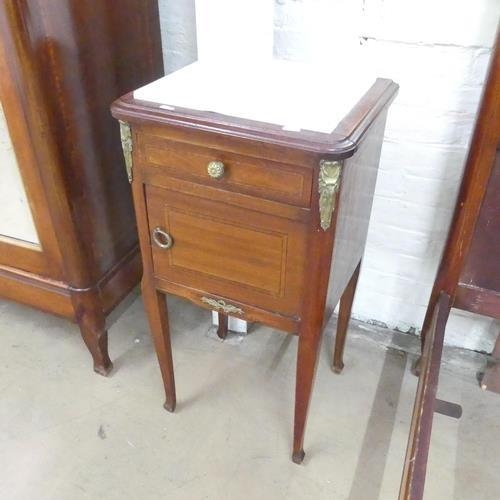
[329, 184]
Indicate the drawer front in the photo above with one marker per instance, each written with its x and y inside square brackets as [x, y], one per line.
[267, 179]
[225, 250]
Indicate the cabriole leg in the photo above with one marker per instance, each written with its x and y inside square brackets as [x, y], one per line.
[92, 322]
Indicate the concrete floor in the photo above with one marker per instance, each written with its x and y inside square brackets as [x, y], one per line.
[67, 433]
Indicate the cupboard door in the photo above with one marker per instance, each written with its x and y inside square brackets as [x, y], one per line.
[226, 250]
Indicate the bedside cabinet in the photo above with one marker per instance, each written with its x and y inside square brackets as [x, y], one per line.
[253, 200]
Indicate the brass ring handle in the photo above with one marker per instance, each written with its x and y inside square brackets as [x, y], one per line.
[162, 239]
[216, 169]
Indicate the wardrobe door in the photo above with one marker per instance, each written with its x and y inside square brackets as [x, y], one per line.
[27, 239]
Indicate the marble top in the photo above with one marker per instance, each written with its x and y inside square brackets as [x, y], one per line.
[293, 95]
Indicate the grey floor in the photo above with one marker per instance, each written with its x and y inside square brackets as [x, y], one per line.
[66, 433]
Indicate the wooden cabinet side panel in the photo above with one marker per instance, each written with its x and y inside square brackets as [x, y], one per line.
[359, 175]
[482, 267]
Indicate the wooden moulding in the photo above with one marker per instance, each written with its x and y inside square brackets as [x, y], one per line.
[27, 288]
[55, 296]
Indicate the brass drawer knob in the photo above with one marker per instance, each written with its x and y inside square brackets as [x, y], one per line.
[216, 169]
[162, 239]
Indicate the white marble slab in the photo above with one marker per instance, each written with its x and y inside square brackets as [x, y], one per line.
[292, 95]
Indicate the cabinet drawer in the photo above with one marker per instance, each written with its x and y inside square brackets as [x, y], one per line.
[225, 250]
[285, 183]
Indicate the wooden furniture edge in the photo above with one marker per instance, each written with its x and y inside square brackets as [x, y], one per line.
[477, 300]
[29, 255]
[121, 279]
[36, 291]
[358, 120]
[417, 451]
[55, 296]
[257, 314]
[117, 282]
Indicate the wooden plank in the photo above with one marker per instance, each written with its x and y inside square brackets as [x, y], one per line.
[417, 451]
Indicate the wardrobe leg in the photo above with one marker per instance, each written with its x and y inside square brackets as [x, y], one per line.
[92, 322]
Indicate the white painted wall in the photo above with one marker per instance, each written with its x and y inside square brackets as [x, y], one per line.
[178, 33]
[438, 51]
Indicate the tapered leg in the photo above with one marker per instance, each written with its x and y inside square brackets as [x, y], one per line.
[156, 310]
[92, 322]
[343, 320]
[307, 359]
[222, 328]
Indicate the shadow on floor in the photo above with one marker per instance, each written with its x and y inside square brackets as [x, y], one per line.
[370, 468]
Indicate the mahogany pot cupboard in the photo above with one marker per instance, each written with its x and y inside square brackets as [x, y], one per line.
[62, 62]
[253, 193]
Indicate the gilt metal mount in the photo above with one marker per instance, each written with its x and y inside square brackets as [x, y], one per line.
[127, 147]
[329, 183]
[222, 306]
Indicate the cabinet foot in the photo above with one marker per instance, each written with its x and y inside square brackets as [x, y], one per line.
[338, 367]
[298, 457]
[97, 344]
[169, 406]
[104, 369]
